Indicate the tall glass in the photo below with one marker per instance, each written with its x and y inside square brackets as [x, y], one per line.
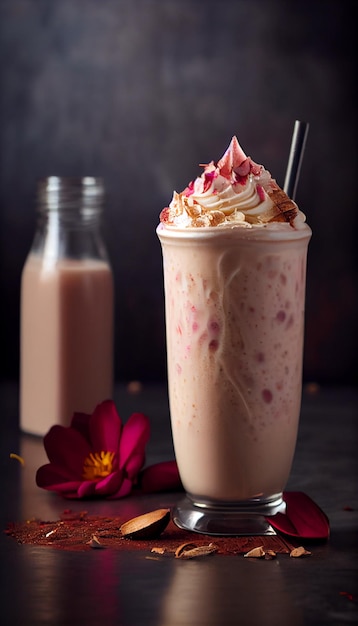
[234, 324]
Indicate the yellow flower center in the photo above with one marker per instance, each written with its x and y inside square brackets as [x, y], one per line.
[98, 465]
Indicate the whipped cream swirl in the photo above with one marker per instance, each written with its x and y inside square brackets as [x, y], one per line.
[235, 190]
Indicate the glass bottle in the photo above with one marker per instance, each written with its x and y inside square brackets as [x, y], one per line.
[66, 329]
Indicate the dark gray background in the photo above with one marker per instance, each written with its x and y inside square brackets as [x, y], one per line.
[142, 91]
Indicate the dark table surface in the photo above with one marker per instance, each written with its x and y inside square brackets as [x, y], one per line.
[41, 585]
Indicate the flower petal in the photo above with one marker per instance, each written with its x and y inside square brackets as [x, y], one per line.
[124, 490]
[66, 448]
[67, 490]
[161, 477]
[303, 517]
[80, 422]
[110, 484]
[134, 464]
[86, 489]
[134, 437]
[105, 427]
[52, 478]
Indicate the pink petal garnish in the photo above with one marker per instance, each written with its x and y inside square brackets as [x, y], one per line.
[303, 517]
[243, 169]
[208, 180]
[161, 477]
[255, 168]
[232, 158]
[189, 190]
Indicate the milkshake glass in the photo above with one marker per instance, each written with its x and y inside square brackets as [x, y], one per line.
[234, 301]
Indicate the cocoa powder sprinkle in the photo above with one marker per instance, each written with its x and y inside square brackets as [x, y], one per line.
[73, 531]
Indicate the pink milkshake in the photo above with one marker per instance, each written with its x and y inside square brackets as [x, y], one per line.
[234, 250]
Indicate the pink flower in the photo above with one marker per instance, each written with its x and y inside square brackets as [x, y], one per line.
[98, 456]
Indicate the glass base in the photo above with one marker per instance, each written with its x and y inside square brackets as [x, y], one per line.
[234, 519]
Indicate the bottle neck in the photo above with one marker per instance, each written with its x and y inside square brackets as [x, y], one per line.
[68, 225]
[76, 201]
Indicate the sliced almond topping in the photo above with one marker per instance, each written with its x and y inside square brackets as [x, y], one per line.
[301, 551]
[216, 217]
[256, 553]
[201, 221]
[192, 208]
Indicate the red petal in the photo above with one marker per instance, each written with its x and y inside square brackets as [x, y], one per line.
[105, 427]
[110, 484]
[51, 474]
[161, 477]
[133, 441]
[68, 490]
[134, 464]
[52, 478]
[80, 422]
[124, 490]
[67, 449]
[86, 489]
[303, 518]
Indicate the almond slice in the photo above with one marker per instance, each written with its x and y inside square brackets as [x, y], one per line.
[158, 550]
[301, 551]
[270, 554]
[183, 547]
[256, 553]
[193, 553]
[147, 526]
[94, 542]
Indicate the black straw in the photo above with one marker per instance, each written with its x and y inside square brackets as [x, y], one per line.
[298, 144]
